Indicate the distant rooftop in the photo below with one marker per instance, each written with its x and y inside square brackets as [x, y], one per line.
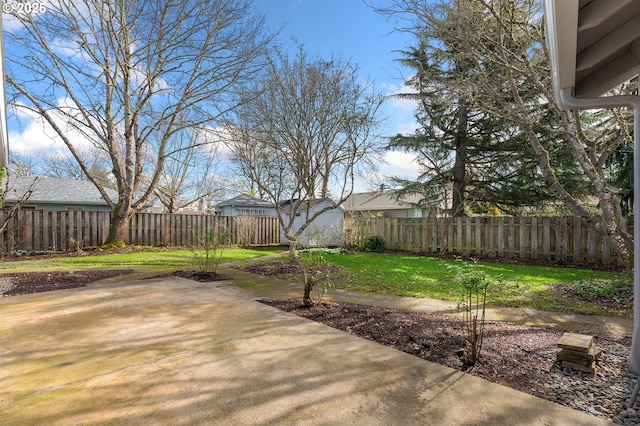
[378, 200]
[244, 200]
[306, 204]
[57, 191]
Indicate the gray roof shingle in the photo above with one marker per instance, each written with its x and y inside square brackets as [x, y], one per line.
[244, 200]
[57, 191]
[374, 201]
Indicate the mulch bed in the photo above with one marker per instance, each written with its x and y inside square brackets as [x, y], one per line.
[14, 284]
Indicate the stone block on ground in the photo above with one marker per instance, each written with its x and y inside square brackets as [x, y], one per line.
[586, 368]
[578, 352]
[576, 342]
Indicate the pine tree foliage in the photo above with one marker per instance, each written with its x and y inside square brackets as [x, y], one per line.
[495, 66]
[476, 158]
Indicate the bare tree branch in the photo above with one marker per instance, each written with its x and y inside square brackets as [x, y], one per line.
[123, 73]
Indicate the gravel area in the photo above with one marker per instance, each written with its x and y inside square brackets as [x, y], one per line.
[603, 395]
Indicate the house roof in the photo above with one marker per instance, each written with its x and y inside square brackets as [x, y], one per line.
[244, 200]
[594, 45]
[378, 200]
[308, 204]
[57, 191]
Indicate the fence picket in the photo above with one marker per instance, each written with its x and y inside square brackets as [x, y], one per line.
[35, 230]
[558, 239]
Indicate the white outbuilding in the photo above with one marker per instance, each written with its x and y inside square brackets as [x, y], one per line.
[326, 230]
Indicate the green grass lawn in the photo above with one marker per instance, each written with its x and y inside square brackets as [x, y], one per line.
[523, 286]
[512, 285]
[175, 258]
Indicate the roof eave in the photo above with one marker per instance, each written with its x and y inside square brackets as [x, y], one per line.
[562, 36]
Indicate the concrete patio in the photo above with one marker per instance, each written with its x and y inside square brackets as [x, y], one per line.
[174, 351]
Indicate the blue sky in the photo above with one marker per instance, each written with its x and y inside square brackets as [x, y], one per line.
[355, 31]
[349, 28]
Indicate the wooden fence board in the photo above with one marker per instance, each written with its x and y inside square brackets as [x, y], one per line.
[557, 239]
[36, 230]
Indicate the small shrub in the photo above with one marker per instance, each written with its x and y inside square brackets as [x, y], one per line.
[316, 273]
[474, 284]
[375, 243]
[77, 245]
[213, 244]
[601, 288]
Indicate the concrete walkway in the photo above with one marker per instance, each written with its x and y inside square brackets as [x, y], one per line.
[269, 287]
[176, 352]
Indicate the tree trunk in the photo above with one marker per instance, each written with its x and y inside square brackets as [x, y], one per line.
[460, 166]
[609, 223]
[118, 228]
[308, 286]
[293, 249]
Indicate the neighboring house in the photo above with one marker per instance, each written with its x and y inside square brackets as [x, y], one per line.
[382, 204]
[325, 231]
[57, 194]
[245, 205]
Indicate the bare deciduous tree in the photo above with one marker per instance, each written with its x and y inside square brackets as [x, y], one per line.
[249, 157]
[7, 186]
[311, 127]
[188, 177]
[60, 166]
[22, 165]
[124, 72]
[518, 48]
[63, 166]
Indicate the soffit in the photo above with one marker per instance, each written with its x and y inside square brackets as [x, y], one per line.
[594, 44]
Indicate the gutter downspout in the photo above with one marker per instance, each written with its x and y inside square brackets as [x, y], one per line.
[633, 102]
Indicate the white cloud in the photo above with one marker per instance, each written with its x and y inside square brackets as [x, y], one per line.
[36, 136]
[404, 105]
[400, 111]
[30, 134]
[397, 164]
[10, 24]
[218, 138]
[400, 164]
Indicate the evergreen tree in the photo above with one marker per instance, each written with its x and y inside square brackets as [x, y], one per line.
[506, 80]
[468, 153]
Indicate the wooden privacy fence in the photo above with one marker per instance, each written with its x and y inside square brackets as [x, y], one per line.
[556, 239]
[68, 230]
